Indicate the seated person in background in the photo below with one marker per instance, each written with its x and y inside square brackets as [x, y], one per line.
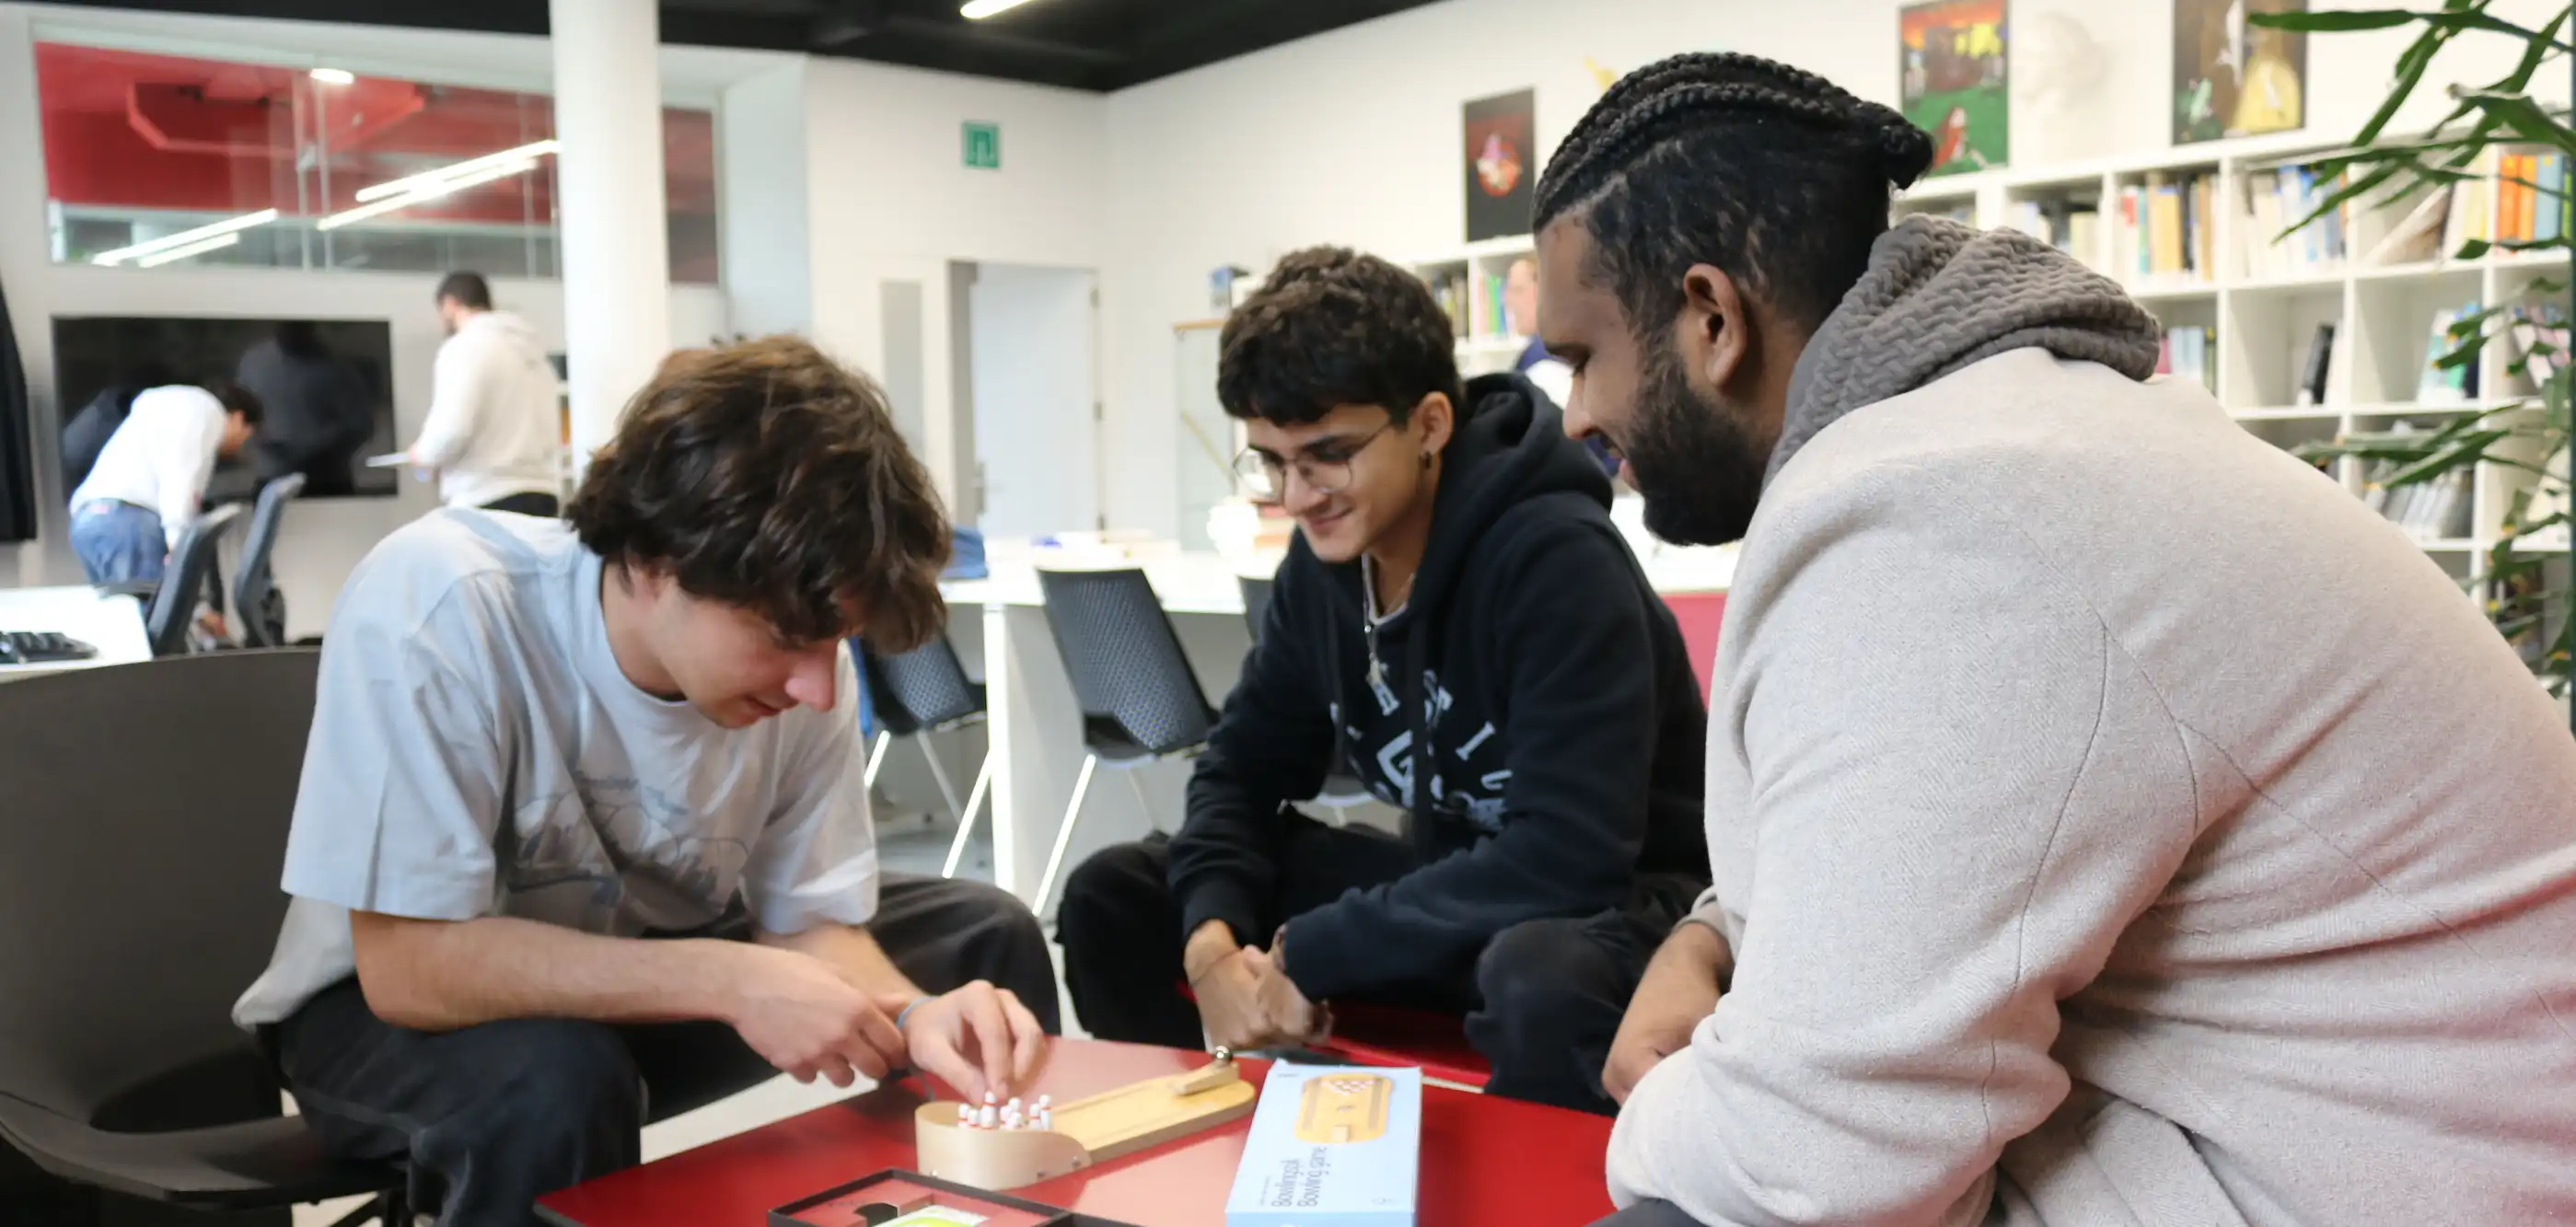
[494, 434]
[138, 500]
[2113, 821]
[1459, 622]
[536, 742]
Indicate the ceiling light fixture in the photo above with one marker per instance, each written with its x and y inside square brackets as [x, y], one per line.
[425, 193]
[334, 76]
[462, 170]
[185, 237]
[198, 248]
[978, 10]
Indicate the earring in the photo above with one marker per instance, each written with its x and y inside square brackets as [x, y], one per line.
[1426, 460]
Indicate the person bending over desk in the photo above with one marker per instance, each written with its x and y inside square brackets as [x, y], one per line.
[2113, 820]
[1459, 622]
[536, 741]
[150, 480]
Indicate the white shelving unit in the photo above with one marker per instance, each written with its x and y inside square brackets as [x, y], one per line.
[1486, 343]
[2261, 325]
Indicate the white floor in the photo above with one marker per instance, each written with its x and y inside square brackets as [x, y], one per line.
[905, 845]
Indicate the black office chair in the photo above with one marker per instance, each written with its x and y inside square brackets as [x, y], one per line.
[1342, 790]
[170, 604]
[1256, 602]
[1141, 702]
[135, 905]
[255, 596]
[920, 692]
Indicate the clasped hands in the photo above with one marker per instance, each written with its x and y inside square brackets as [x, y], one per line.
[1245, 1000]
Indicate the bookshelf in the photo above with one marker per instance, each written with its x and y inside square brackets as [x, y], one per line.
[1471, 277]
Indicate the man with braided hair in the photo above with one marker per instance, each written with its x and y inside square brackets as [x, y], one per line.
[2090, 835]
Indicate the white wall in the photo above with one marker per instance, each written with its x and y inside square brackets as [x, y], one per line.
[1350, 138]
[323, 539]
[890, 198]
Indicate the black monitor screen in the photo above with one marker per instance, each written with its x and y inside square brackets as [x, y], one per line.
[319, 382]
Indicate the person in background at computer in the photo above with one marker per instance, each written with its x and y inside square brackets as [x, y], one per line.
[150, 479]
[1460, 625]
[1552, 375]
[494, 434]
[537, 741]
[320, 411]
[2112, 821]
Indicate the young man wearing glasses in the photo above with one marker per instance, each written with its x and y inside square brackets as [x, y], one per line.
[1458, 625]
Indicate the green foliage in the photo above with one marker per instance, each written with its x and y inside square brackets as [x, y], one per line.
[2524, 596]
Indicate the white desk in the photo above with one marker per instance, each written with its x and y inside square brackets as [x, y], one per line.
[1034, 724]
[112, 624]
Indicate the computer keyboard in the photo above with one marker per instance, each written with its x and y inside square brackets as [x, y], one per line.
[37, 647]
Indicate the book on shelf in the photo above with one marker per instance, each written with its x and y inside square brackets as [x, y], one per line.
[2071, 226]
[2448, 384]
[2536, 337]
[2279, 199]
[2417, 238]
[2437, 509]
[2470, 199]
[2318, 370]
[2184, 354]
[2531, 197]
[2166, 227]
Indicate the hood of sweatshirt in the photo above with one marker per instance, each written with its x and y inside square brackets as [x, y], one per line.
[1938, 297]
[1510, 447]
[503, 330]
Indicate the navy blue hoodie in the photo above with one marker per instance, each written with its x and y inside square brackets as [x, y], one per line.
[1534, 678]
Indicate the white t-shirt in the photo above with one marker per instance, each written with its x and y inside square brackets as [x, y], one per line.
[476, 751]
[161, 457]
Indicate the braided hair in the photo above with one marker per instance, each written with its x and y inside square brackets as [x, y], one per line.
[1775, 175]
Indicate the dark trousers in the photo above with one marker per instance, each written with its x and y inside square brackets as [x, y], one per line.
[1542, 1001]
[494, 1116]
[528, 504]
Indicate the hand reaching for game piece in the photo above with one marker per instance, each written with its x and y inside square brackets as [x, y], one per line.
[978, 1039]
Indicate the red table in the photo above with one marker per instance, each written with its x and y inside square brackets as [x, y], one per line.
[1484, 1160]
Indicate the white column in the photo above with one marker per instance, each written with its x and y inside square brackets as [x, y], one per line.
[615, 244]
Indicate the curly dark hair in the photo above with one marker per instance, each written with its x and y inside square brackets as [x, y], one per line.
[1776, 176]
[767, 476]
[1332, 327]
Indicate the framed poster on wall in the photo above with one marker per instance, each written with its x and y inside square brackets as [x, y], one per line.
[1953, 57]
[1501, 160]
[2234, 78]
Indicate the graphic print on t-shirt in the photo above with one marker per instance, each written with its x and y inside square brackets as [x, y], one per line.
[614, 854]
[1386, 744]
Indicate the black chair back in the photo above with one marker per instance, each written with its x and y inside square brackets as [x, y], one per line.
[1256, 602]
[191, 569]
[137, 904]
[925, 688]
[1138, 694]
[255, 595]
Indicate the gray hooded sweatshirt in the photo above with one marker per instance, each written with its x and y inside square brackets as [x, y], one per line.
[2113, 820]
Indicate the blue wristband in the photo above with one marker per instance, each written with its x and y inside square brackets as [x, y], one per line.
[906, 1011]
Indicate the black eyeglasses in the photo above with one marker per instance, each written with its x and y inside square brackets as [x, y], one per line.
[1325, 467]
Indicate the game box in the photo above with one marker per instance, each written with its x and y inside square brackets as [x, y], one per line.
[1331, 1146]
[898, 1198]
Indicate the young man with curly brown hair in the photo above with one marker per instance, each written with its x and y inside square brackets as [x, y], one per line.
[1459, 626]
[537, 742]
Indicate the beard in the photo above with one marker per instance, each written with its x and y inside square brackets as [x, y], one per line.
[1698, 468]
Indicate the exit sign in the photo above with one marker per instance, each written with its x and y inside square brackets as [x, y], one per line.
[983, 146]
